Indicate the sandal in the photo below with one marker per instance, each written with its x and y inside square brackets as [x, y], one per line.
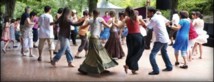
[184, 67]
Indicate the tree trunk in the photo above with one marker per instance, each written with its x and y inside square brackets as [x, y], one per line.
[174, 6]
[10, 7]
[92, 4]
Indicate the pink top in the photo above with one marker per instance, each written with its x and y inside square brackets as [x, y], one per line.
[106, 18]
[36, 19]
[133, 28]
[192, 32]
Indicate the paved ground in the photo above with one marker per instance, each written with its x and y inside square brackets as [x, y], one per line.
[14, 67]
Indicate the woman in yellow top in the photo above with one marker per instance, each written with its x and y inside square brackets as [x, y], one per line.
[83, 35]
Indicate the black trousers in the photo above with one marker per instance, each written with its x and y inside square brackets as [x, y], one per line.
[35, 35]
[84, 43]
[148, 39]
[73, 36]
[135, 44]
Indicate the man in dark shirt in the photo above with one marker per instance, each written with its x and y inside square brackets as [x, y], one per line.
[24, 16]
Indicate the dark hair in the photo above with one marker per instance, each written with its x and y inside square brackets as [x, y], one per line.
[32, 14]
[106, 12]
[60, 10]
[201, 16]
[47, 9]
[112, 13]
[193, 13]
[6, 19]
[184, 14]
[121, 14]
[27, 8]
[17, 19]
[151, 9]
[198, 14]
[130, 12]
[95, 14]
[175, 12]
[85, 13]
[12, 20]
[63, 20]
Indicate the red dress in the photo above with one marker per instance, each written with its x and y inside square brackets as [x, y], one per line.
[192, 32]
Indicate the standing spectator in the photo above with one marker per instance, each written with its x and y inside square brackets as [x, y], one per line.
[182, 38]
[158, 23]
[46, 32]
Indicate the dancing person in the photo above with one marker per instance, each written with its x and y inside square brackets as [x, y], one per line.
[158, 23]
[175, 21]
[6, 33]
[24, 16]
[182, 38]
[83, 36]
[198, 24]
[12, 33]
[17, 29]
[113, 45]
[192, 37]
[28, 34]
[74, 30]
[135, 41]
[46, 32]
[56, 30]
[106, 31]
[35, 31]
[123, 31]
[97, 60]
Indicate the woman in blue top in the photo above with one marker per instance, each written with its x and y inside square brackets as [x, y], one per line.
[181, 41]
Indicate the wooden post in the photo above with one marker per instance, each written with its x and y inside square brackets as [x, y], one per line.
[147, 5]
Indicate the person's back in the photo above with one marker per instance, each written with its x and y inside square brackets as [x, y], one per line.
[95, 26]
[159, 28]
[133, 26]
[46, 30]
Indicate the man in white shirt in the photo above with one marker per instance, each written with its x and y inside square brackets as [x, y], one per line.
[175, 22]
[158, 24]
[46, 32]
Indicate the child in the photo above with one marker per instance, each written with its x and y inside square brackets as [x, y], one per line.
[6, 34]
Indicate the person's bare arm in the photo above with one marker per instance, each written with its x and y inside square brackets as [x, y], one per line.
[142, 22]
[29, 22]
[85, 24]
[176, 27]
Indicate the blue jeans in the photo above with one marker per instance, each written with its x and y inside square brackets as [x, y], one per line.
[65, 48]
[157, 47]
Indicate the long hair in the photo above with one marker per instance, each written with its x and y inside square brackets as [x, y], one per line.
[130, 12]
[63, 20]
[95, 14]
[113, 15]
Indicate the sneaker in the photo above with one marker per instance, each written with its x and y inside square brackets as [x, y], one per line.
[167, 69]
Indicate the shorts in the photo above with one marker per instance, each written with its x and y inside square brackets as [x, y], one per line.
[27, 43]
[191, 44]
[50, 41]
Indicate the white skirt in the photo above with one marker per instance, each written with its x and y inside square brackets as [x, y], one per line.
[202, 37]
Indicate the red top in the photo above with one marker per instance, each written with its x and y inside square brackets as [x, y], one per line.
[132, 27]
[192, 32]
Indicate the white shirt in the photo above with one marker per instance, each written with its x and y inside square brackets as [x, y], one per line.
[46, 30]
[158, 23]
[175, 19]
[95, 26]
[198, 25]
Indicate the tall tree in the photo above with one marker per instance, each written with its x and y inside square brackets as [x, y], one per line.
[92, 4]
[10, 7]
